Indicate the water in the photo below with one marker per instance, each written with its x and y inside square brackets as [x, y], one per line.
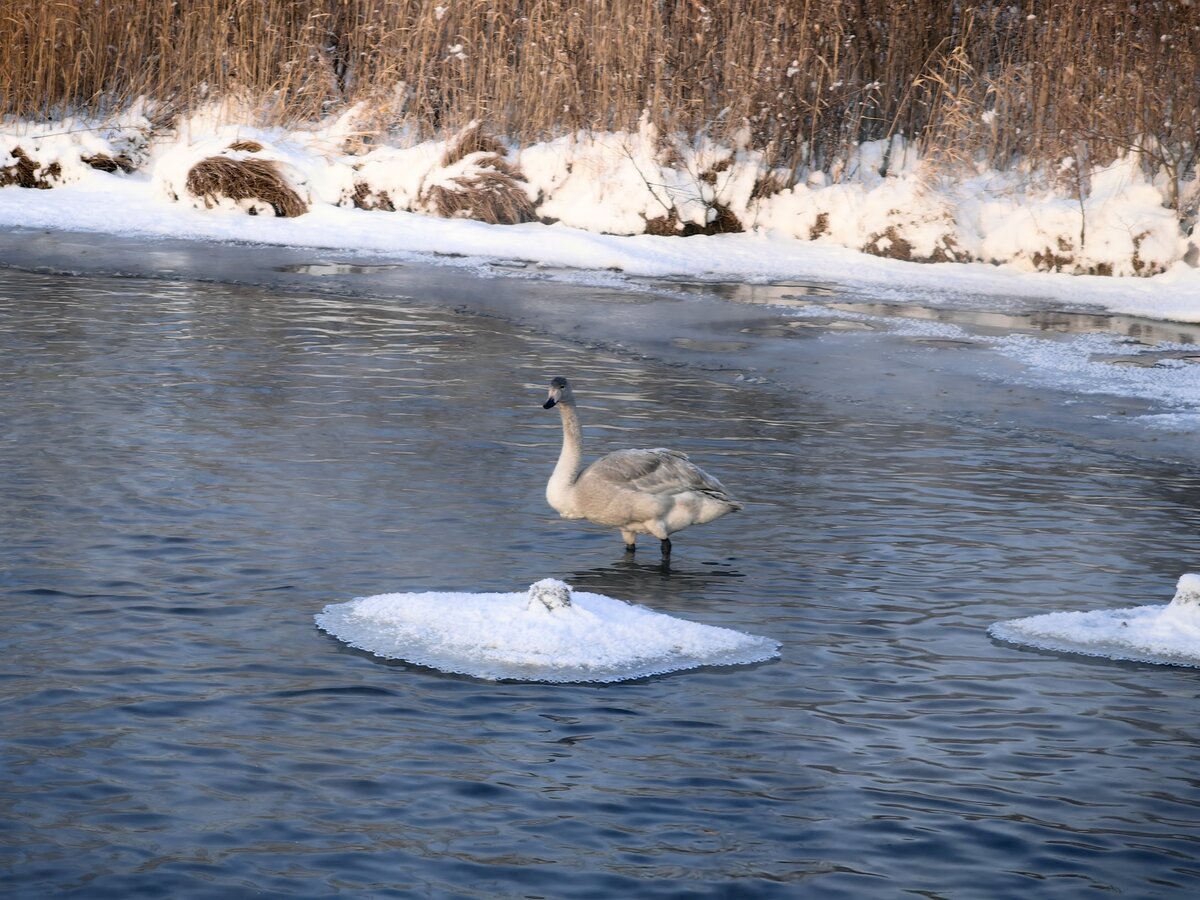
[190, 472]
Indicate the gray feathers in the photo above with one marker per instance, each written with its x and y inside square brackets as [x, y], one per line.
[655, 471]
[656, 492]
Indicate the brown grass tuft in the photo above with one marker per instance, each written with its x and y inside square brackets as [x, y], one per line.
[947, 250]
[1140, 266]
[819, 227]
[473, 139]
[246, 146]
[769, 184]
[488, 196]
[889, 243]
[492, 191]
[29, 173]
[259, 180]
[723, 221]
[663, 226]
[106, 163]
[1061, 259]
[366, 197]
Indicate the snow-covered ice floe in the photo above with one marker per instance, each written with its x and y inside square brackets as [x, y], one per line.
[1167, 634]
[549, 633]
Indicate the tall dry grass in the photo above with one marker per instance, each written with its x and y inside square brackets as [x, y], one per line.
[807, 80]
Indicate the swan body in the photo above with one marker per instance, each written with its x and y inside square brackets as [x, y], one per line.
[655, 492]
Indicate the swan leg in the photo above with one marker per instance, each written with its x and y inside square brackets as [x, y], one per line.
[666, 546]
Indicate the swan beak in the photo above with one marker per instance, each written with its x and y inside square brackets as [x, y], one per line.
[549, 403]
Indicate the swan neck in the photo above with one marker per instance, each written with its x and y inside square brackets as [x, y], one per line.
[573, 442]
[572, 446]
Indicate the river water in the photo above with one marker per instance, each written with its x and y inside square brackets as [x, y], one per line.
[192, 470]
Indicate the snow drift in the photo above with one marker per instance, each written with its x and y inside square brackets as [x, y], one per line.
[885, 201]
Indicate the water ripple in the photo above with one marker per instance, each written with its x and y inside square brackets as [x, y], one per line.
[191, 471]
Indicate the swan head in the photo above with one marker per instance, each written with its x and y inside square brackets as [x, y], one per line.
[560, 392]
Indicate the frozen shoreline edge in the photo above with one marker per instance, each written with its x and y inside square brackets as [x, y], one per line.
[603, 192]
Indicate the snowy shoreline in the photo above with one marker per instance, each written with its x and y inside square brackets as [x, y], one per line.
[602, 191]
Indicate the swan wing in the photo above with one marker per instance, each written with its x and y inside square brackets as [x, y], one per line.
[657, 471]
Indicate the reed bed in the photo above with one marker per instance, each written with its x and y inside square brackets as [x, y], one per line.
[802, 82]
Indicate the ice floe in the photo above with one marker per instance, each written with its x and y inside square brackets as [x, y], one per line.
[548, 633]
[1163, 633]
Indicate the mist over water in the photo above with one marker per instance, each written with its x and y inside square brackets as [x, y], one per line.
[191, 471]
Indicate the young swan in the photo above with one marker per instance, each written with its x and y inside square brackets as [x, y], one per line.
[655, 492]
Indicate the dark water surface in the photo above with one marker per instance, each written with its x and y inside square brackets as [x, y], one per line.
[190, 472]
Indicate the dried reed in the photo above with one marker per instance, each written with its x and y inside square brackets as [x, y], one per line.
[260, 180]
[490, 192]
[28, 173]
[106, 163]
[488, 196]
[998, 81]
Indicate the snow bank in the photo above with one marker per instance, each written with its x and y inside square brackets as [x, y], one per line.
[884, 201]
[50, 154]
[599, 191]
[1168, 634]
[549, 633]
[1120, 227]
[642, 183]
[268, 170]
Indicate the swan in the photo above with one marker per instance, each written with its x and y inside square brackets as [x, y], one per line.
[656, 492]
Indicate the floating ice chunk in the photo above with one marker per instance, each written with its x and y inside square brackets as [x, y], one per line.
[1167, 634]
[550, 593]
[548, 633]
[1187, 592]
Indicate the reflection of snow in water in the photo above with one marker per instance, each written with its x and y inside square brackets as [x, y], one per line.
[546, 634]
[1167, 634]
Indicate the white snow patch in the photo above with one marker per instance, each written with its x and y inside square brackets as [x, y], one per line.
[65, 144]
[1166, 634]
[534, 636]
